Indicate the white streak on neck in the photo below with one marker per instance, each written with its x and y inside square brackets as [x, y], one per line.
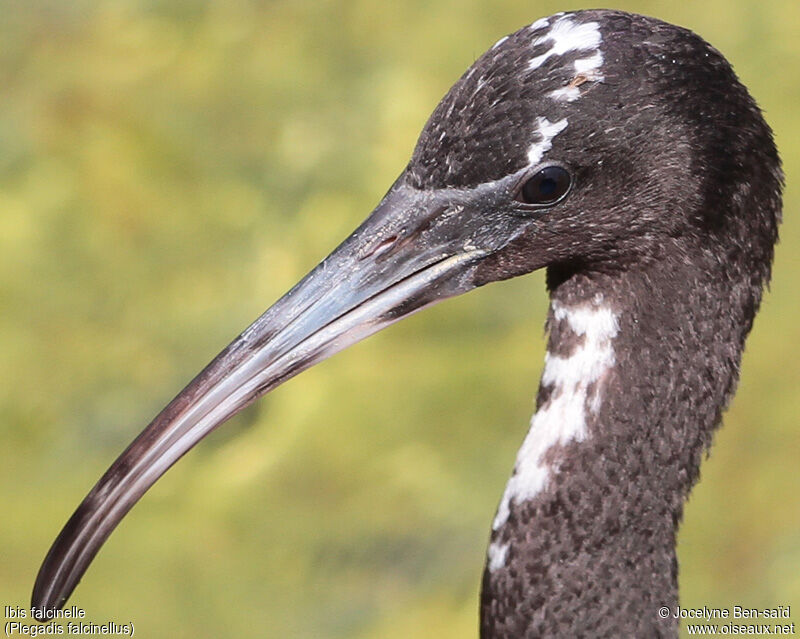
[562, 418]
[548, 130]
[496, 556]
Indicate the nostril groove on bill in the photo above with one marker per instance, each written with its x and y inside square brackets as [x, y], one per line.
[378, 248]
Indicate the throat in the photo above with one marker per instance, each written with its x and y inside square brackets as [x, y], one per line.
[571, 394]
[583, 543]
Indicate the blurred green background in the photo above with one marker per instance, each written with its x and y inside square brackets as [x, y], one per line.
[167, 170]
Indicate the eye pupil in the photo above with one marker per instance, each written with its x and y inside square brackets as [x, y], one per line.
[547, 186]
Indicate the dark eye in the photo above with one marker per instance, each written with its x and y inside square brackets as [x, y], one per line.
[547, 186]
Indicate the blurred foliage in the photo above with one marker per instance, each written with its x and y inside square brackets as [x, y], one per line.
[167, 170]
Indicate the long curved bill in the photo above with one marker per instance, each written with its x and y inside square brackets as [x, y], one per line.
[410, 253]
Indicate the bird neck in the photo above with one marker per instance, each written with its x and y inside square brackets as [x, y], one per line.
[640, 365]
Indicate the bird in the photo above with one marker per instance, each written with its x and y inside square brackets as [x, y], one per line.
[623, 155]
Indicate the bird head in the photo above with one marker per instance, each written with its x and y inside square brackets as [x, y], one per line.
[585, 141]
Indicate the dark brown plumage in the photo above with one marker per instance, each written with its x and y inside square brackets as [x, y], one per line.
[621, 153]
